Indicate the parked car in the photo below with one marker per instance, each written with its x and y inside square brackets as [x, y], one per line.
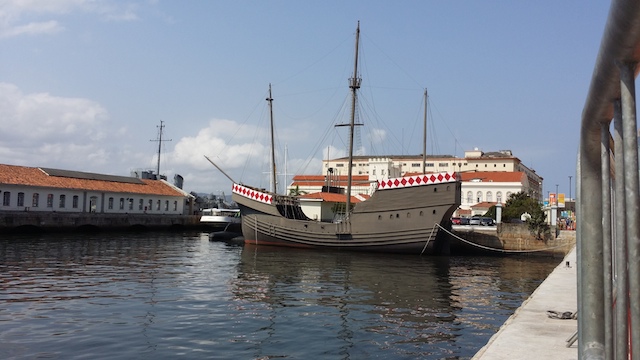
[455, 221]
[487, 221]
[464, 221]
[474, 220]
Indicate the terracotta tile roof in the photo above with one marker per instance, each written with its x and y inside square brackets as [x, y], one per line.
[32, 176]
[494, 176]
[330, 197]
[483, 205]
[319, 180]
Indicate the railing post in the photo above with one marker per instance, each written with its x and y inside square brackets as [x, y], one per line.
[605, 169]
[589, 246]
[621, 340]
[630, 143]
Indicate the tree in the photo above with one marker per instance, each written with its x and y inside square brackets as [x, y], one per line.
[516, 205]
[520, 203]
[537, 223]
[296, 191]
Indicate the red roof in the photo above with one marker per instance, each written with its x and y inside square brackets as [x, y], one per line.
[31, 176]
[494, 176]
[320, 180]
[330, 197]
[483, 205]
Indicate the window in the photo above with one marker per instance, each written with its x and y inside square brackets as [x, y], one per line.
[443, 164]
[175, 206]
[150, 207]
[141, 204]
[20, 199]
[469, 197]
[6, 198]
[508, 194]
[339, 165]
[36, 200]
[130, 204]
[415, 165]
[428, 164]
[75, 202]
[489, 196]
[110, 206]
[121, 203]
[158, 205]
[63, 199]
[49, 200]
[479, 196]
[166, 205]
[499, 196]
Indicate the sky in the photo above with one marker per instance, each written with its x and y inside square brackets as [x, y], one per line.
[85, 84]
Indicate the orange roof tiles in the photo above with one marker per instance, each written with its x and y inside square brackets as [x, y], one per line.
[330, 197]
[31, 176]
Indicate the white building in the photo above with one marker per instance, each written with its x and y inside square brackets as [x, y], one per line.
[473, 161]
[53, 190]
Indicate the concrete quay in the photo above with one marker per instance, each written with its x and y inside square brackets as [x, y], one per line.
[530, 333]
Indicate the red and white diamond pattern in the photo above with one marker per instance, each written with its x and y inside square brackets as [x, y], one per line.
[252, 194]
[417, 180]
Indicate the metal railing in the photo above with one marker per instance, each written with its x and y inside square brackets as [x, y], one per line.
[608, 233]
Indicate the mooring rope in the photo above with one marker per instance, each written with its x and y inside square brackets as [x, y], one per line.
[495, 249]
[429, 239]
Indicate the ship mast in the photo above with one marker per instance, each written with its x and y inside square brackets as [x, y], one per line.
[354, 84]
[159, 140]
[424, 135]
[273, 152]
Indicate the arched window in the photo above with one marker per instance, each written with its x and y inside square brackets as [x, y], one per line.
[36, 200]
[479, 196]
[20, 199]
[469, 197]
[110, 206]
[499, 196]
[63, 200]
[489, 196]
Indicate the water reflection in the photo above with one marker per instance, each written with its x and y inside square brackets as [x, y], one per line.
[167, 295]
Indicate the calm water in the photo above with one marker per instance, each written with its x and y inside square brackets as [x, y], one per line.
[167, 296]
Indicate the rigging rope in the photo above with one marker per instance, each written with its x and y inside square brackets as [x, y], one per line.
[496, 249]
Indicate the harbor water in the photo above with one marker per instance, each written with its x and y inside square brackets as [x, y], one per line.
[179, 295]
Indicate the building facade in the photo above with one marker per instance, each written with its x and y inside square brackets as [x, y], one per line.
[473, 161]
[53, 190]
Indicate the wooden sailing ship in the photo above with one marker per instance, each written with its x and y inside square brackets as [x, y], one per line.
[402, 215]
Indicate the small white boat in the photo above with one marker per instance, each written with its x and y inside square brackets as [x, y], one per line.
[220, 218]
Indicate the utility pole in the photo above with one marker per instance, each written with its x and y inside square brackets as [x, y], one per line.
[159, 140]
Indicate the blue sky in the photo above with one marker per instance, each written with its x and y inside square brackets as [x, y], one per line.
[84, 84]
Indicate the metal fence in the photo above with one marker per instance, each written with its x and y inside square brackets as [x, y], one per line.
[608, 225]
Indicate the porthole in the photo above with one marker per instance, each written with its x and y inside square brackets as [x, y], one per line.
[379, 217]
[408, 215]
[397, 216]
[435, 189]
[390, 216]
[434, 211]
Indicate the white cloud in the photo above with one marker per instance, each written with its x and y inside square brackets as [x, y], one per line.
[34, 17]
[40, 128]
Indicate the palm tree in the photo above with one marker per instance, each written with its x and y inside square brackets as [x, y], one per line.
[296, 191]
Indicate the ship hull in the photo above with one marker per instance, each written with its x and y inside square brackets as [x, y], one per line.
[396, 220]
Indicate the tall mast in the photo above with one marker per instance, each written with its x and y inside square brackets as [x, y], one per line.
[159, 140]
[424, 135]
[273, 152]
[354, 84]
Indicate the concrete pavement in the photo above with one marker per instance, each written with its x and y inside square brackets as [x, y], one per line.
[529, 333]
